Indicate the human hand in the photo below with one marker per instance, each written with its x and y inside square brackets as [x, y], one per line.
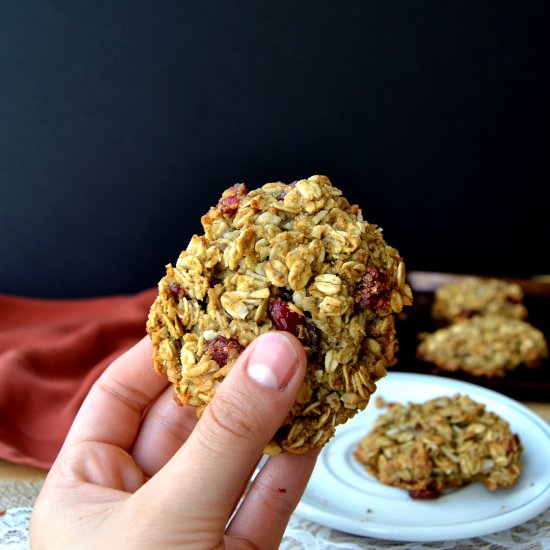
[138, 472]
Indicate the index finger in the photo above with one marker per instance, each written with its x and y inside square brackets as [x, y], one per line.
[113, 410]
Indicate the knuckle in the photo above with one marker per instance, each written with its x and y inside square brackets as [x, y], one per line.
[232, 417]
[128, 395]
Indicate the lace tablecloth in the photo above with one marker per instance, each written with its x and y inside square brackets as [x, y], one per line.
[305, 535]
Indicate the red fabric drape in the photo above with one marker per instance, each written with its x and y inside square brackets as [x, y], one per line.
[51, 352]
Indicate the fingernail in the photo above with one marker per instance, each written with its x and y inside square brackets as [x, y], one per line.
[273, 361]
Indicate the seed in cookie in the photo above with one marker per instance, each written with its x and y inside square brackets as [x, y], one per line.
[294, 257]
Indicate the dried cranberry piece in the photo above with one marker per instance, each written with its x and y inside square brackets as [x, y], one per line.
[229, 203]
[285, 319]
[424, 494]
[467, 313]
[223, 349]
[371, 292]
[176, 291]
[513, 444]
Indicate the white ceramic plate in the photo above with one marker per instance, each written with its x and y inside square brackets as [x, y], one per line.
[343, 496]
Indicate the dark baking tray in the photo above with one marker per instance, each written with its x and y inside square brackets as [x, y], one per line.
[525, 384]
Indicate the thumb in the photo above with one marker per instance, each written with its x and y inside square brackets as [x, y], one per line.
[246, 411]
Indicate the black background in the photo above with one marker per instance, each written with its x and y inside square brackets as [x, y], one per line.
[122, 122]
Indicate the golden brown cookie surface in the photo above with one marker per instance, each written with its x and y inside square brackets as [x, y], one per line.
[485, 346]
[472, 296]
[294, 257]
[446, 442]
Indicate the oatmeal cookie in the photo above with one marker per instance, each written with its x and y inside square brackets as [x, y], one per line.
[294, 257]
[446, 442]
[485, 346]
[471, 296]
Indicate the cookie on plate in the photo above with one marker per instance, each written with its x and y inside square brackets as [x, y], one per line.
[295, 257]
[472, 296]
[484, 346]
[443, 443]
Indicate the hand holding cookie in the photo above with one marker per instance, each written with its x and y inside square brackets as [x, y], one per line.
[272, 329]
[138, 472]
